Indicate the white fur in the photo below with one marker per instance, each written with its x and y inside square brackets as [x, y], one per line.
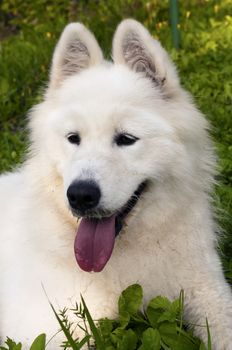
[169, 239]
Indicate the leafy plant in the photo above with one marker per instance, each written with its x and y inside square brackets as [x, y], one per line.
[38, 344]
[159, 327]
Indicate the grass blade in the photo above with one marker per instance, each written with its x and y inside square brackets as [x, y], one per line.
[96, 334]
[209, 336]
[181, 304]
[84, 341]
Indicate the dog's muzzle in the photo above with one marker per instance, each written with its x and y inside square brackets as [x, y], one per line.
[95, 237]
[83, 196]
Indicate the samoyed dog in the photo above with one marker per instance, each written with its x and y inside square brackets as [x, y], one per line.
[117, 183]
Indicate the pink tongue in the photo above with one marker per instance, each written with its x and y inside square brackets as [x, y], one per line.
[94, 243]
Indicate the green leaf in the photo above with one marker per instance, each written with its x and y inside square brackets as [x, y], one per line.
[106, 326]
[117, 335]
[11, 345]
[160, 309]
[167, 316]
[160, 303]
[124, 318]
[176, 306]
[39, 343]
[167, 329]
[153, 316]
[130, 300]
[176, 340]
[169, 334]
[151, 340]
[139, 318]
[114, 339]
[129, 341]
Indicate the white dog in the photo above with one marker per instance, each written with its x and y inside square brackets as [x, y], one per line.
[122, 146]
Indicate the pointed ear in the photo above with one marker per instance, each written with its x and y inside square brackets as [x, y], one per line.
[135, 47]
[76, 50]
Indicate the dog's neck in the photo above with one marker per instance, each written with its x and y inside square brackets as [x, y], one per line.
[155, 214]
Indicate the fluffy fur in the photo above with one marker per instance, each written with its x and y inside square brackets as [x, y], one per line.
[168, 241]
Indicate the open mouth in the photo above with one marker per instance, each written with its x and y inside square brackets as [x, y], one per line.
[95, 237]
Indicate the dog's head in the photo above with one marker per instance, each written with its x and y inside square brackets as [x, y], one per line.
[112, 131]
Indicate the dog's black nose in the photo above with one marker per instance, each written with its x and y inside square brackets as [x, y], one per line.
[83, 195]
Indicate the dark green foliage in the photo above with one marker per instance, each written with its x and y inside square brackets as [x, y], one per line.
[159, 327]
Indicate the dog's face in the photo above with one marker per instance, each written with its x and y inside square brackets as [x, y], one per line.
[113, 130]
[110, 134]
[106, 123]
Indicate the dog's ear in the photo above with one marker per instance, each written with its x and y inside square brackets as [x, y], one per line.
[76, 50]
[135, 47]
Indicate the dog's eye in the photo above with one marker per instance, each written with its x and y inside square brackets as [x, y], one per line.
[74, 138]
[125, 139]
